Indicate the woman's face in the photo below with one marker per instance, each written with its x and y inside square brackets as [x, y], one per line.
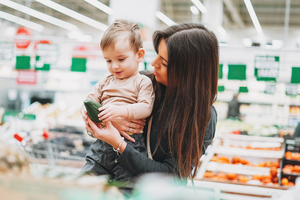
[160, 63]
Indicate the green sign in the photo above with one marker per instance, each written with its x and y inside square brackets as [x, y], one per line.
[78, 65]
[6, 50]
[243, 89]
[266, 68]
[46, 55]
[23, 62]
[40, 65]
[237, 72]
[220, 71]
[221, 88]
[295, 75]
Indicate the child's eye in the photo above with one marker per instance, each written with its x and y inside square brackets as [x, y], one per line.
[108, 61]
[122, 59]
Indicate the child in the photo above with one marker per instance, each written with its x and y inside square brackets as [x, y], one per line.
[124, 93]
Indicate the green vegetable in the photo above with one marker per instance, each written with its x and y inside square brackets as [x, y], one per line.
[92, 110]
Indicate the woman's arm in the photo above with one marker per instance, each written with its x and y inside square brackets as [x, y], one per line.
[139, 163]
[210, 130]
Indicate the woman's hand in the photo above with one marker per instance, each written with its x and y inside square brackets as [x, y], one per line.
[108, 134]
[124, 125]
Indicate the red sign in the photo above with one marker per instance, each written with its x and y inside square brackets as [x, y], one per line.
[26, 77]
[23, 43]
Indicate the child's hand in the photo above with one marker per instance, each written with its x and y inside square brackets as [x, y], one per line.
[110, 112]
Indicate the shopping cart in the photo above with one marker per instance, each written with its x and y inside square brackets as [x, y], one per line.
[53, 153]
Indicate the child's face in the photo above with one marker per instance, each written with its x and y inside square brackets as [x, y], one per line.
[122, 61]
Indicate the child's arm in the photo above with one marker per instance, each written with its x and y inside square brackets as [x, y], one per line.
[140, 110]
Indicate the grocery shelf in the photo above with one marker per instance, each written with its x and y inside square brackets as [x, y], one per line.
[250, 138]
[238, 169]
[249, 152]
[237, 192]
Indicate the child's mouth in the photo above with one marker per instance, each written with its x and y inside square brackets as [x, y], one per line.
[118, 73]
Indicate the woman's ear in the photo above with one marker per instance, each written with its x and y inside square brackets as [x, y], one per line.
[141, 54]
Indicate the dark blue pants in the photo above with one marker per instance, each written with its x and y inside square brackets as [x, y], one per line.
[102, 159]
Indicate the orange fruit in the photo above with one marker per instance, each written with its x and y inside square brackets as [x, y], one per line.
[295, 156]
[275, 164]
[222, 176]
[257, 177]
[231, 176]
[286, 170]
[275, 180]
[243, 179]
[296, 168]
[243, 161]
[288, 155]
[268, 164]
[208, 175]
[214, 159]
[284, 181]
[291, 184]
[273, 171]
[235, 159]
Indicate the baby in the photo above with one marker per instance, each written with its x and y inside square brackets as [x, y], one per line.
[124, 93]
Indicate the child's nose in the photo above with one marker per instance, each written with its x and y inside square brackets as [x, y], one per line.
[115, 66]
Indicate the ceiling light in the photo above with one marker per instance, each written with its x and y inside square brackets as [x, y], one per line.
[253, 17]
[200, 6]
[222, 31]
[164, 18]
[277, 44]
[247, 42]
[39, 15]
[194, 10]
[73, 14]
[23, 22]
[100, 6]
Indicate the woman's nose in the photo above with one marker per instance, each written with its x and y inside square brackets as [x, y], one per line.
[154, 63]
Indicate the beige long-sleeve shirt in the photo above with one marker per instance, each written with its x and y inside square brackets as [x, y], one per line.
[135, 92]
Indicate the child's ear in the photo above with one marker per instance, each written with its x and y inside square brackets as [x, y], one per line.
[141, 54]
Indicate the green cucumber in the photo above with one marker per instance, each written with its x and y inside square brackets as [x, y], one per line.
[92, 110]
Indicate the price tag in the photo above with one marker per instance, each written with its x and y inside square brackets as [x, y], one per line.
[26, 77]
[6, 50]
[291, 89]
[46, 55]
[266, 68]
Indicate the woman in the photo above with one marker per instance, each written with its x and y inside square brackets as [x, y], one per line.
[184, 120]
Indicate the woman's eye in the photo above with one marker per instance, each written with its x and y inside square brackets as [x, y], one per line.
[164, 64]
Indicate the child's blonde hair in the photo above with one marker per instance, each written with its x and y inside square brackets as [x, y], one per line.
[119, 27]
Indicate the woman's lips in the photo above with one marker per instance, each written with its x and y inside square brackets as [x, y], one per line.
[155, 73]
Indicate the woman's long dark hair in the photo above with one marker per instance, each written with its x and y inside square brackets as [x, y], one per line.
[192, 72]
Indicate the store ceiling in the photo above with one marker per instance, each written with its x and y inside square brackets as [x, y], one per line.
[270, 13]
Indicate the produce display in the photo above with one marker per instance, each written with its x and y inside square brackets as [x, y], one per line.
[242, 128]
[290, 163]
[258, 179]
